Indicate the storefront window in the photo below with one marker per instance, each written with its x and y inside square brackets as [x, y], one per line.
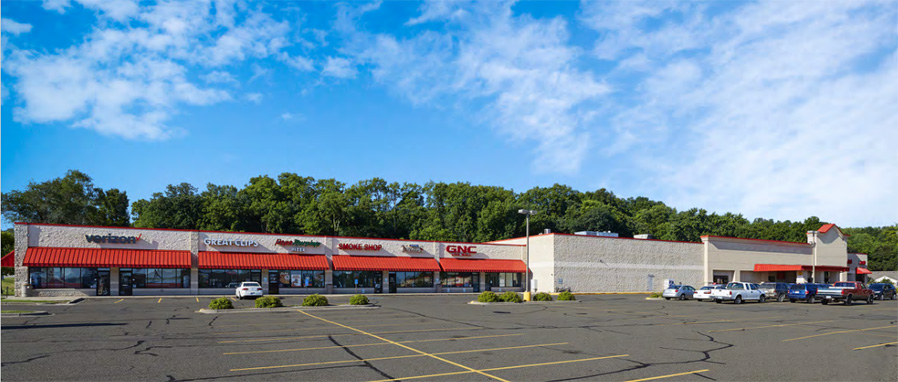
[221, 278]
[301, 279]
[457, 279]
[55, 277]
[159, 277]
[346, 279]
[414, 279]
[504, 280]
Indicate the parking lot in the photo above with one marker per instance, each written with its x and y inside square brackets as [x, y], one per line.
[603, 337]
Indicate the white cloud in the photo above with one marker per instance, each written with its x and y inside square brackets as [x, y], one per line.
[13, 27]
[287, 116]
[339, 67]
[773, 109]
[255, 98]
[56, 5]
[294, 117]
[130, 80]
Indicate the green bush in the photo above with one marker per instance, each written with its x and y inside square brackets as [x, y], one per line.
[269, 302]
[221, 303]
[488, 297]
[358, 299]
[566, 296]
[511, 297]
[542, 296]
[315, 300]
[655, 295]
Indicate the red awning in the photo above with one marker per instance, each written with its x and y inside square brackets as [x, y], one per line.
[485, 265]
[864, 271]
[227, 260]
[8, 260]
[385, 263]
[103, 257]
[787, 267]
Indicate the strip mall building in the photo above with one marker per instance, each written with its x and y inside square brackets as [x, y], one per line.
[54, 260]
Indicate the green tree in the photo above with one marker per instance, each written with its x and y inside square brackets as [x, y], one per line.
[72, 199]
[222, 210]
[180, 207]
[113, 208]
[8, 241]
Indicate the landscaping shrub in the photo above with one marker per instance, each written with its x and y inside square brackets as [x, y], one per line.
[269, 302]
[221, 303]
[488, 297]
[358, 299]
[542, 296]
[655, 295]
[566, 296]
[315, 300]
[511, 297]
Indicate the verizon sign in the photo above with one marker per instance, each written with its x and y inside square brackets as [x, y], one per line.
[461, 250]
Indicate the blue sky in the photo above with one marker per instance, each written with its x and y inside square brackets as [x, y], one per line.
[773, 109]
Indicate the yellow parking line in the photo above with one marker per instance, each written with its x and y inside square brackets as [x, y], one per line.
[339, 334]
[504, 368]
[396, 357]
[874, 346]
[118, 301]
[197, 299]
[406, 347]
[314, 328]
[768, 326]
[376, 344]
[669, 375]
[837, 332]
[160, 300]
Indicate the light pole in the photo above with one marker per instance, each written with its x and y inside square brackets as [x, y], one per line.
[527, 261]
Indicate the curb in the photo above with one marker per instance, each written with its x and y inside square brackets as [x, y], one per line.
[654, 298]
[524, 302]
[35, 313]
[285, 309]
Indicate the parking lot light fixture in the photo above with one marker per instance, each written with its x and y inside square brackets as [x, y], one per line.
[527, 261]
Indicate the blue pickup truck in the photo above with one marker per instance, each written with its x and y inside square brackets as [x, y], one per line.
[803, 292]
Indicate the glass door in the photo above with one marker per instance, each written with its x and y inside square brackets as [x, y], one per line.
[273, 283]
[392, 282]
[475, 281]
[103, 282]
[124, 284]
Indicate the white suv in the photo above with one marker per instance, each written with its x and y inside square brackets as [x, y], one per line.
[737, 292]
[249, 289]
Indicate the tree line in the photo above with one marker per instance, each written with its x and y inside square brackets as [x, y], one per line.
[294, 204]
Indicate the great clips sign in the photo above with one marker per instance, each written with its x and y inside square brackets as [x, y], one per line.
[110, 238]
[461, 250]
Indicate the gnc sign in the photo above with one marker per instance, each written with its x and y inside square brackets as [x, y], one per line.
[461, 250]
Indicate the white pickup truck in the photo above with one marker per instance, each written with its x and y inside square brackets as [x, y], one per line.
[737, 292]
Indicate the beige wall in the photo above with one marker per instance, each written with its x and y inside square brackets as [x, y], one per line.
[74, 237]
[739, 256]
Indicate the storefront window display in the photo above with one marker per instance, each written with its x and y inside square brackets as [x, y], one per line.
[301, 279]
[457, 279]
[414, 279]
[504, 280]
[159, 278]
[221, 278]
[347, 279]
[57, 277]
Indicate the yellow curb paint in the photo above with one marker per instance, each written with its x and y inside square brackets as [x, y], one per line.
[396, 357]
[406, 347]
[838, 332]
[118, 301]
[669, 375]
[875, 346]
[505, 368]
[364, 345]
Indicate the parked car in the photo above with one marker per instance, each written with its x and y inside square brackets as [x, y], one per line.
[803, 292]
[846, 291]
[737, 292]
[681, 292]
[249, 289]
[883, 291]
[705, 292]
[777, 291]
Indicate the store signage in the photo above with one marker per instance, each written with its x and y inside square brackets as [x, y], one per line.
[461, 250]
[413, 248]
[297, 245]
[232, 242]
[110, 238]
[359, 247]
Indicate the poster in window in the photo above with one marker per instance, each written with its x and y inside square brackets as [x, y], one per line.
[284, 278]
[297, 280]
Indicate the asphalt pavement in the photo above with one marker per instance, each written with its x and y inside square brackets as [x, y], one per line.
[443, 338]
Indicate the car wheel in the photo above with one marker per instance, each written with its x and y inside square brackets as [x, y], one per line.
[893, 295]
[762, 299]
[810, 300]
[682, 297]
[738, 300]
[718, 301]
[667, 298]
[882, 297]
[869, 299]
[848, 300]
[781, 298]
[824, 302]
[792, 300]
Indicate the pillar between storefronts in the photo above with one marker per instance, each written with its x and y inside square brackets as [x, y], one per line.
[194, 281]
[328, 281]
[384, 281]
[264, 282]
[193, 243]
[22, 279]
[482, 281]
[436, 282]
[113, 282]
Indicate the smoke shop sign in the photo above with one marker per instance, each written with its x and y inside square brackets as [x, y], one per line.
[359, 247]
[110, 238]
[231, 242]
[297, 245]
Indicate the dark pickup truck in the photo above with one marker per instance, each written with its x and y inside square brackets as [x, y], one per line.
[847, 291]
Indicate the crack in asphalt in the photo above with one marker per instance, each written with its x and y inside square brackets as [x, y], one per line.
[366, 363]
[25, 361]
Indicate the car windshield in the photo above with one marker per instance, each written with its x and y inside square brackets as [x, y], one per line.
[735, 286]
[251, 284]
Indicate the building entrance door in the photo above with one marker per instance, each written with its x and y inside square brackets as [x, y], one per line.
[379, 283]
[475, 281]
[124, 284]
[392, 283]
[273, 284]
[103, 283]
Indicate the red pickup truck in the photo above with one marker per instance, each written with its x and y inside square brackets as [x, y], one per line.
[847, 291]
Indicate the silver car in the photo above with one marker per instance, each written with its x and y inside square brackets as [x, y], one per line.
[681, 292]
